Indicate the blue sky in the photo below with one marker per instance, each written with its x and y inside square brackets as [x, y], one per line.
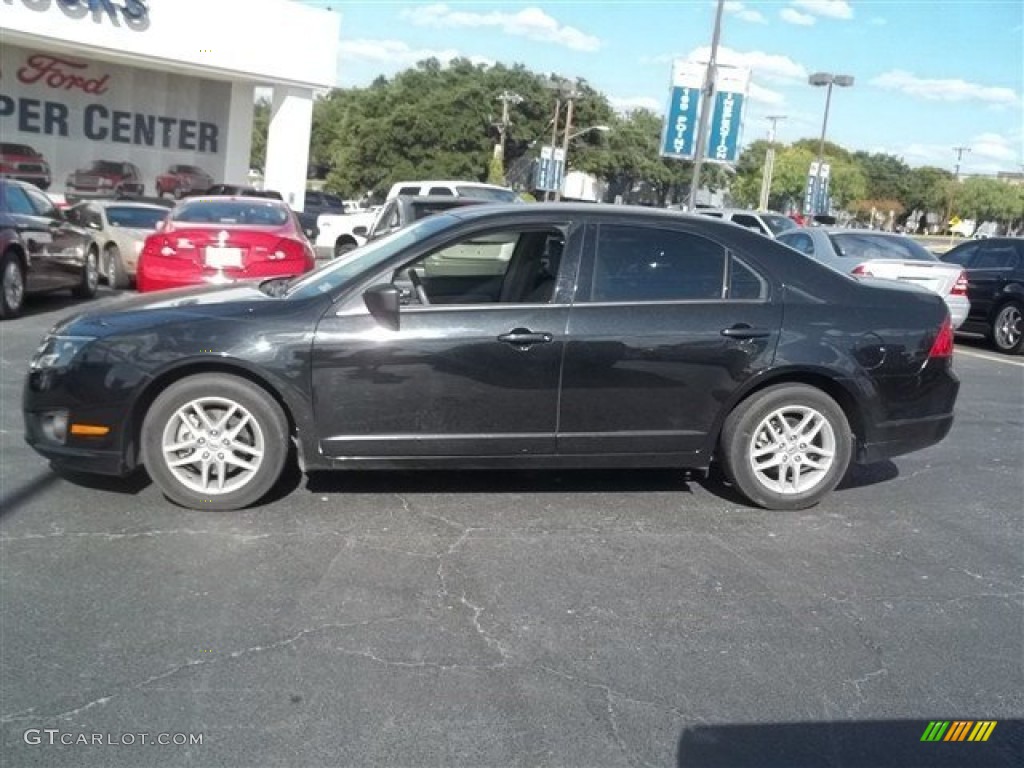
[929, 76]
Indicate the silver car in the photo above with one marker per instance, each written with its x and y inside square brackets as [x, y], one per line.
[868, 253]
[119, 228]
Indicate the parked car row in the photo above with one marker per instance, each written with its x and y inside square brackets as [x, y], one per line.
[200, 240]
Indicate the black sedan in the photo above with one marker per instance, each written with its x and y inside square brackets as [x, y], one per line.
[995, 286]
[40, 251]
[551, 336]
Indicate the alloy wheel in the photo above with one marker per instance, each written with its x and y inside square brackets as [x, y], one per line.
[213, 445]
[792, 450]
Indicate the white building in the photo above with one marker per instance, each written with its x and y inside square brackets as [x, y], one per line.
[160, 83]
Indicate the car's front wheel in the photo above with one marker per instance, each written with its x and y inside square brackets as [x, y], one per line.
[786, 447]
[214, 441]
[1007, 332]
[12, 285]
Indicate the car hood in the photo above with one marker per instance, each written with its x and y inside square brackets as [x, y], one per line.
[165, 307]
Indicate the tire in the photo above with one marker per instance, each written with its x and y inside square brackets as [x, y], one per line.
[752, 431]
[12, 285]
[1007, 330]
[261, 442]
[113, 268]
[90, 279]
[342, 247]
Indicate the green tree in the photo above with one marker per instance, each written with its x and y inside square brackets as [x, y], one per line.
[988, 200]
[260, 127]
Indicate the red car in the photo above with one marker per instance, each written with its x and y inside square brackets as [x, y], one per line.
[221, 240]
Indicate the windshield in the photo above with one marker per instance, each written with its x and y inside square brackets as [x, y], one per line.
[865, 247]
[487, 193]
[105, 166]
[248, 212]
[779, 224]
[136, 218]
[329, 278]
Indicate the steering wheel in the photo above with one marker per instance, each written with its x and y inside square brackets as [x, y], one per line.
[417, 284]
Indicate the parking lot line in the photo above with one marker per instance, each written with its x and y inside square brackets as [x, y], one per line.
[993, 358]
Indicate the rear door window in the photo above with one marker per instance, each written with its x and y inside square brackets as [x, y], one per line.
[641, 264]
[750, 222]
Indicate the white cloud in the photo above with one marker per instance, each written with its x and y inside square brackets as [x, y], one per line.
[769, 66]
[952, 89]
[996, 147]
[833, 9]
[763, 95]
[400, 54]
[740, 11]
[623, 104]
[795, 17]
[942, 156]
[532, 23]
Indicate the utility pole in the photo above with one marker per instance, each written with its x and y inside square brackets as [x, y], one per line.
[705, 107]
[554, 138]
[769, 163]
[952, 195]
[959, 156]
[506, 98]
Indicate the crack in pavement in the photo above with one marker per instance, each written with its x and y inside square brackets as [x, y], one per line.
[191, 664]
[857, 683]
[610, 695]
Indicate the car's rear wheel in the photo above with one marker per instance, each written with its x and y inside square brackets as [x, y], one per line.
[343, 246]
[12, 285]
[214, 441]
[90, 279]
[786, 447]
[114, 269]
[1007, 332]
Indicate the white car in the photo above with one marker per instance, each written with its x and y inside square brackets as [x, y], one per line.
[473, 189]
[765, 223]
[868, 253]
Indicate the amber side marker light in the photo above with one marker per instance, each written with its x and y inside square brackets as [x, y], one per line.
[89, 430]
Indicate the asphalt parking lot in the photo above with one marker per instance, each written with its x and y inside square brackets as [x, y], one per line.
[518, 619]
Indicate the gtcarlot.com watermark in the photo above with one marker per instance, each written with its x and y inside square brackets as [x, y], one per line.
[54, 737]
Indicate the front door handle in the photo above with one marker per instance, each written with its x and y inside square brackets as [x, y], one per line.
[523, 338]
[744, 331]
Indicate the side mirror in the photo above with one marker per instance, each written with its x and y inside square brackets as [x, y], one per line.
[384, 301]
[359, 231]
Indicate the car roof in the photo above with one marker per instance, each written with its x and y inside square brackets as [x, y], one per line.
[102, 203]
[604, 210]
[231, 198]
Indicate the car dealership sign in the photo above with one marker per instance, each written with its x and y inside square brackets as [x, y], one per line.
[130, 11]
[73, 111]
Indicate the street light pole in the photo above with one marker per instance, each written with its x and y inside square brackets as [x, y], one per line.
[705, 107]
[565, 148]
[826, 79]
[769, 164]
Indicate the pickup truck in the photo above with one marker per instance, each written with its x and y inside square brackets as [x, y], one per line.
[347, 232]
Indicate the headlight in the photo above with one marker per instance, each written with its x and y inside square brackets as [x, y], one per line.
[57, 352]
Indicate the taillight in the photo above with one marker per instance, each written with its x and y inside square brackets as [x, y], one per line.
[285, 249]
[960, 286]
[943, 344]
[861, 269]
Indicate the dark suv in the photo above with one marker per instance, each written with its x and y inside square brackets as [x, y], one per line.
[995, 286]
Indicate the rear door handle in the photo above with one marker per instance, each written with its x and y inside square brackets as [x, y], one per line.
[522, 337]
[744, 331]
